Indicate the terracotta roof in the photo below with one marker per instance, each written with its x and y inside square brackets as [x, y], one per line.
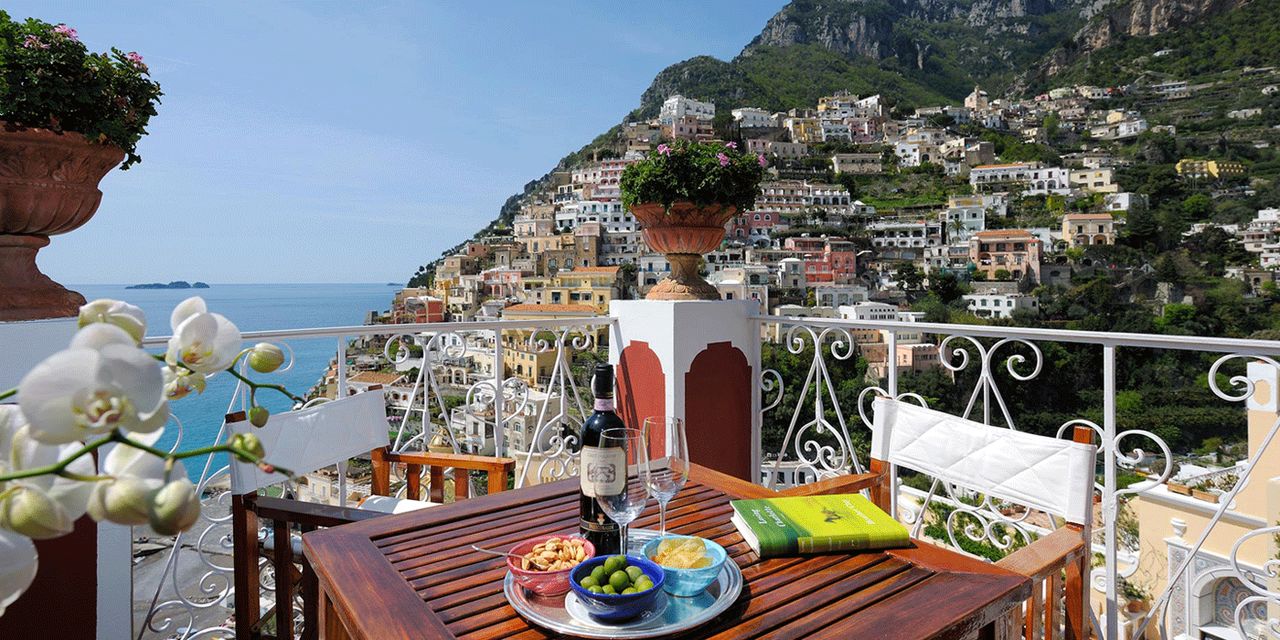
[1088, 216]
[375, 377]
[1004, 233]
[551, 308]
[1003, 166]
[591, 270]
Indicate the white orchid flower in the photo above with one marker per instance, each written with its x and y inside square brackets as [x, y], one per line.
[179, 382]
[18, 564]
[103, 381]
[44, 506]
[202, 342]
[115, 312]
[136, 477]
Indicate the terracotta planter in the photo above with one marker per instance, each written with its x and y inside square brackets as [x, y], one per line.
[1137, 606]
[48, 185]
[683, 235]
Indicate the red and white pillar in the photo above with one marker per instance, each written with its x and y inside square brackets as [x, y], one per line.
[696, 360]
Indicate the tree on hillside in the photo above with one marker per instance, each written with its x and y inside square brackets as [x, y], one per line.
[909, 277]
[946, 286]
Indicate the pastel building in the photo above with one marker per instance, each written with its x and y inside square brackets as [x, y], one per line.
[1012, 250]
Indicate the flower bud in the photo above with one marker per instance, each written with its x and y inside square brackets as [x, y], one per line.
[265, 357]
[250, 444]
[125, 500]
[174, 508]
[30, 512]
[258, 416]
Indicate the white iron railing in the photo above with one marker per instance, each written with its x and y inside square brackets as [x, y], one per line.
[193, 597]
[538, 424]
[819, 442]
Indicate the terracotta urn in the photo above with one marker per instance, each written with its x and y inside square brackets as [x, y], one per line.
[683, 233]
[48, 185]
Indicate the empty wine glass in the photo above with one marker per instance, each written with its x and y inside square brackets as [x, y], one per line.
[623, 500]
[664, 475]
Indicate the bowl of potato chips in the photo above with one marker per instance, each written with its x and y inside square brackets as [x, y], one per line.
[543, 563]
[689, 563]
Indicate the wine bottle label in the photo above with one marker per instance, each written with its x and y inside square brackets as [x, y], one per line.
[602, 470]
[603, 525]
[604, 404]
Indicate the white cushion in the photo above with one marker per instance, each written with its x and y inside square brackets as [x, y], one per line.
[313, 438]
[385, 504]
[1049, 474]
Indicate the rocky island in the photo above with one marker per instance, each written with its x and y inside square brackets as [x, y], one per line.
[176, 284]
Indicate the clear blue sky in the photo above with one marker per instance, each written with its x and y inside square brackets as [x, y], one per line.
[352, 142]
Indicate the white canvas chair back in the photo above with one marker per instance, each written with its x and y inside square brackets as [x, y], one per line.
[313, 438]
[1047, 474]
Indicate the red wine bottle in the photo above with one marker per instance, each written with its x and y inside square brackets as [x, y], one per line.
[600, 469]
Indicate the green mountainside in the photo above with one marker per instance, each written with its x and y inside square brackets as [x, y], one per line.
[1246, 37]
[933, 52]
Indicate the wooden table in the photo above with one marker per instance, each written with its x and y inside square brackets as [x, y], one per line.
[414, 575]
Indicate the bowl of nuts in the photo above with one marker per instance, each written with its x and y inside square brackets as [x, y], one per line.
[543, 563]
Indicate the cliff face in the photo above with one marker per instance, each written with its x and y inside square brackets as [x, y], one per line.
[1134, 18]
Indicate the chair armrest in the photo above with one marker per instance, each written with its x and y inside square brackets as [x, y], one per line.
[849, 483]
[1046, 555]
[308, 513]
[455, 460]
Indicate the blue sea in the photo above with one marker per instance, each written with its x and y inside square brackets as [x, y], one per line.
[252, 307]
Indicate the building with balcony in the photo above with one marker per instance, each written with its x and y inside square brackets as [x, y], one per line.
[677, 107]
[1015, 251]
[857, 163]
[1000, 305]
[1084, 229]
[1094, 180]
[1032, 178]
[752, 118]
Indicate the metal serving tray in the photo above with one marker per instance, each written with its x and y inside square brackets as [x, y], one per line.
[671, 614]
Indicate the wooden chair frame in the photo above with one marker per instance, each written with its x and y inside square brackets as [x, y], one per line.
[248, 509]
[1056, 564]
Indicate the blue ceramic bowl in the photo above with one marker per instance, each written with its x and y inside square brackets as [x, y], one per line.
[615, 608]
[690, 582]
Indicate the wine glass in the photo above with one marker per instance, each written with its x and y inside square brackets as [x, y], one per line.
[623, 500]
[665, 476]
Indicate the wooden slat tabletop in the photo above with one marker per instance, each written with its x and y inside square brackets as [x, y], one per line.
[415, 575]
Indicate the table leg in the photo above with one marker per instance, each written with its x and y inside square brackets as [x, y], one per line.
[331, 627]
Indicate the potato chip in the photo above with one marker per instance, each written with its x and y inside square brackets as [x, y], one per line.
[682, 553]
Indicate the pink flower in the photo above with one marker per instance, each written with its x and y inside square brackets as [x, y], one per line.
[664, 150]
[724, 160]
[67, 32]
[33, 42]
[731, 145]
[761, 160]
[136, 59]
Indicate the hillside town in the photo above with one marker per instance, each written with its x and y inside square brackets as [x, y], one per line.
[1000, 205]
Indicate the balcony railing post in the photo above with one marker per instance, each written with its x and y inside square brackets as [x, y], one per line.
[341, 391]
[1109, 507]
[499, 370]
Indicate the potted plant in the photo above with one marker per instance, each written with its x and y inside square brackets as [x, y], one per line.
[682, 194]
[1137, 600]
[67, 117]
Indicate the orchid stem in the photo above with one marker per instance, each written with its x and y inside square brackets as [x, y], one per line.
[59, 467]
[4, 395]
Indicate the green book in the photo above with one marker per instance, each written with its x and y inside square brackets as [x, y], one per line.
[816, 524]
